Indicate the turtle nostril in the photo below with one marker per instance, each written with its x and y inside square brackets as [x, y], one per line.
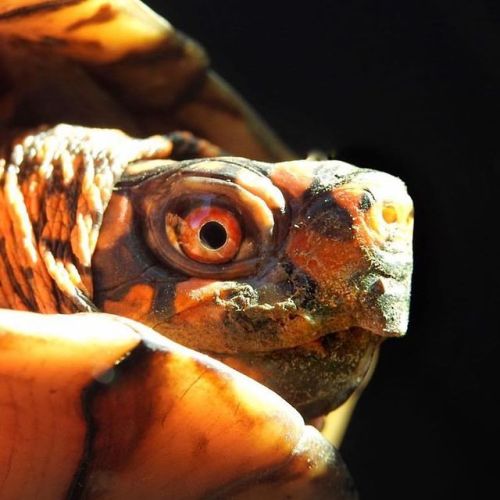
[391, 220]
[390, 214]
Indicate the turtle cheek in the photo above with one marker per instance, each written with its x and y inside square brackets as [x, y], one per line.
[196, 316]
[334, 265]
[198, 328]
[135, 303]
[236, 316]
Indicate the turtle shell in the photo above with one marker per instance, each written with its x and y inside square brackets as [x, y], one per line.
[117, 64]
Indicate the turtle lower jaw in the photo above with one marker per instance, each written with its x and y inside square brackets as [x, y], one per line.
[315, 377]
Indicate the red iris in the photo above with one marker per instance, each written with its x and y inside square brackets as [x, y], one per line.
[210, 235]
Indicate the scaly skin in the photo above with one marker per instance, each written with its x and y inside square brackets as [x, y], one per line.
[55, 186]
[299, 313]
[99, 406]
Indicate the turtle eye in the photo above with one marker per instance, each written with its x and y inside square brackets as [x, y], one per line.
[206, 234]
[212, 219]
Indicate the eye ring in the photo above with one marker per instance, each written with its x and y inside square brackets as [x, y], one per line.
[165, 202]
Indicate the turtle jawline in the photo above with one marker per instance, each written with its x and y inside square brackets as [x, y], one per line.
[328, 339]
[335, 347]
[315, 377]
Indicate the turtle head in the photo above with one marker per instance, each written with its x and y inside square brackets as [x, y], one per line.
[293, 273]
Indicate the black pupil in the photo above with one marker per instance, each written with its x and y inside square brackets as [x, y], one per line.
[213, 235]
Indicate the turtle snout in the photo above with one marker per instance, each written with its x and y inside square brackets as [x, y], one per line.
[354, 240]
[382, 217]
[381, 209]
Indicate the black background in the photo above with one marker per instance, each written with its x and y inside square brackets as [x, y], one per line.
[409, 87]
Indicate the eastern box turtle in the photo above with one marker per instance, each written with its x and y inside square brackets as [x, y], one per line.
[178, 267]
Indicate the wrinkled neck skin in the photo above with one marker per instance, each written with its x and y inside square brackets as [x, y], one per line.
[55, 185]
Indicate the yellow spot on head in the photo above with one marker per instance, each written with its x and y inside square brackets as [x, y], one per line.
[390, 214]
[135, 304]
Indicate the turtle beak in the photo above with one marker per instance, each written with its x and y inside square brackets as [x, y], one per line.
[382, 213]
[352, 235]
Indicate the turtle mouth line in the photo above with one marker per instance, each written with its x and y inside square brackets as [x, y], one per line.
[323, 343]
[320, 347]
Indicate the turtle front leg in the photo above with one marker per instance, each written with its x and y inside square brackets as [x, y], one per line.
[97, 406]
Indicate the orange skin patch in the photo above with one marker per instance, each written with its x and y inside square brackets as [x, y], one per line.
[194, 292]
[328, 260]
[122, 219]
[293, 177]
[348, 197]
[136, 304]
[332, 262]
